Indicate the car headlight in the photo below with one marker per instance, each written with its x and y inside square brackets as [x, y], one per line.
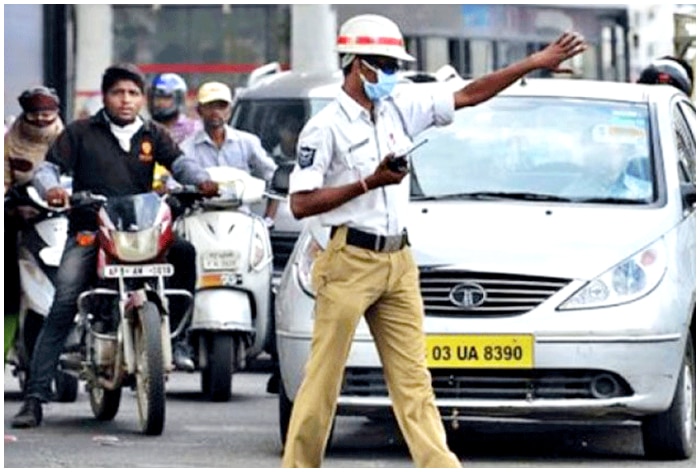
[308, 252]
[630, 280]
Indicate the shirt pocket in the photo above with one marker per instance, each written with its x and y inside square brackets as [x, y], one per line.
[362, 157]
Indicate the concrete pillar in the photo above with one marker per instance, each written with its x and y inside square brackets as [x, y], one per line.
[94, 40]
[314, 31]
[436, 53]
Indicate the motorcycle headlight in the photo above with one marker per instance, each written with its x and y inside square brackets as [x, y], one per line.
[135, 246]
[630, 280]
[308, 252]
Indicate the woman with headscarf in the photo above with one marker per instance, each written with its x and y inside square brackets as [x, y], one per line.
[26, 142]
[31, 134]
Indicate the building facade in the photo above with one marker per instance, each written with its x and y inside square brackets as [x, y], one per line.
[227, 42]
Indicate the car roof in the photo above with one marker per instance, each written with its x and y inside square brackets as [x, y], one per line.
[589, 89]
[292, 84]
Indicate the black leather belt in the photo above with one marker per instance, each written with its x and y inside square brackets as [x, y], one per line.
[374, 242]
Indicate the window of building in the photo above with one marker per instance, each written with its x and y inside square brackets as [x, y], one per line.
[202, 43]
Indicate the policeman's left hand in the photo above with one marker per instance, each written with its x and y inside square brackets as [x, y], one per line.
[567, 46]
[208, 188]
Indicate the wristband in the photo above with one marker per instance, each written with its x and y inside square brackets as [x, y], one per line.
[365, 189]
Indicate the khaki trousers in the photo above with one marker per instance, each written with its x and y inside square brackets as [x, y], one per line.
[350, 281]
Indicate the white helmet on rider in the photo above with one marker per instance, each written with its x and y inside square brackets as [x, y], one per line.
[167, 85]
[372, 35]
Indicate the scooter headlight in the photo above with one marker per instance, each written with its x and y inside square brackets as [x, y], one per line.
[308, 252]
[630, 280]
[260, 248]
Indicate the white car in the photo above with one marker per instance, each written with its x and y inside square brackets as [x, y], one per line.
[554, 228]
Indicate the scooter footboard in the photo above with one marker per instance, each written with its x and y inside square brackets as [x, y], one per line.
[222, 310]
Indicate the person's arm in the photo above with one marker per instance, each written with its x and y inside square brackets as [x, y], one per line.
[179, 161]
[321, 200]
[567, 46]
[60, 159]
[262, 164]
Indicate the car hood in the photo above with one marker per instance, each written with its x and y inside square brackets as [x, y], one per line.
[571, 241]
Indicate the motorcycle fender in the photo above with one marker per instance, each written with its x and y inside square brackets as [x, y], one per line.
[222, 310]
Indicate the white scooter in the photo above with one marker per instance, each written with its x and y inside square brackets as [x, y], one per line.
[40, 246]
[232, 318]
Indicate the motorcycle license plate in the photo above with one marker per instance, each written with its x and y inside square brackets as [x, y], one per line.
[150, 270]
[499, 351]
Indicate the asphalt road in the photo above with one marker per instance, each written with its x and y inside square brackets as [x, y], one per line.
[244, 433]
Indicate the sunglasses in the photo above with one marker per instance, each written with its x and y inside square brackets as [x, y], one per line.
[388, 67]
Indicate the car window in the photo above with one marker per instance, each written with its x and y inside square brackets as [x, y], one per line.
[277, 122]
[569, 149]
[685, 141]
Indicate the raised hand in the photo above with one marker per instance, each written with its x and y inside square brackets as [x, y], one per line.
[567, 46]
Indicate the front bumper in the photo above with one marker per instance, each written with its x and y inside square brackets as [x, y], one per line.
[585, 378]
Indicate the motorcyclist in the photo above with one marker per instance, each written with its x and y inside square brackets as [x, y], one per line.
[669, 70]
[218, 144]
[166, 105]
[26, 142]
[111, 153]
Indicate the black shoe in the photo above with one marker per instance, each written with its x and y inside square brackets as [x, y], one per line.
[182, 357]
[29, 415]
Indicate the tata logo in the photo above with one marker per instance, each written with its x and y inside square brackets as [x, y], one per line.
[469, 295]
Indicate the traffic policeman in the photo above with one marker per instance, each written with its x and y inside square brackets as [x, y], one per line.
[350, 173]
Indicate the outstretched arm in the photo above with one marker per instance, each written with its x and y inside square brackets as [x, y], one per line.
[567, 46]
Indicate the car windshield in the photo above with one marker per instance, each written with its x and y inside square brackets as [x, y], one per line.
[277, 122]
[539, 149]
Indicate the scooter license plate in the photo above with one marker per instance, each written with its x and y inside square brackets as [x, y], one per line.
[150, 270]
[220, 260]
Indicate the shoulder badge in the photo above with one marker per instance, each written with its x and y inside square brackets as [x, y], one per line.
[306, 156]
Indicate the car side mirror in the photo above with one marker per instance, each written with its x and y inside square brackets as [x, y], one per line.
[280, 179]
[688, 195]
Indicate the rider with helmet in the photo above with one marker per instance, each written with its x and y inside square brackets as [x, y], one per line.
[166, 105]
[669, 70]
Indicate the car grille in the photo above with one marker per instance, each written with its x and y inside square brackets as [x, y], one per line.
[501, 384]
[483, 294]
[282, 246]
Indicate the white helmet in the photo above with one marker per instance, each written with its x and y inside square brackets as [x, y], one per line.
[372, 35]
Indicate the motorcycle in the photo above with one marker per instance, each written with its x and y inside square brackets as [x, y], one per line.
[123, 321]
[232, 317]
[40, 242]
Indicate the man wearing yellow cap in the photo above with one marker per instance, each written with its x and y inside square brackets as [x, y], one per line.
[219, 144]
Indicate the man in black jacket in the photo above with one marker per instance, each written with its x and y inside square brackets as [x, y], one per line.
[112, 153]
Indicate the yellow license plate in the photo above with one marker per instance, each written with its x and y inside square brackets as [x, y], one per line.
[481, 351]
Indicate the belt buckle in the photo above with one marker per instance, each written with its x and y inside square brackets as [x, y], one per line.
[392, 243]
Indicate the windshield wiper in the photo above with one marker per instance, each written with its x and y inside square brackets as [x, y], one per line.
[496, 196]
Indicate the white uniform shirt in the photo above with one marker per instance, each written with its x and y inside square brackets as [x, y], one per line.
[340, 145]
[240, 149]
